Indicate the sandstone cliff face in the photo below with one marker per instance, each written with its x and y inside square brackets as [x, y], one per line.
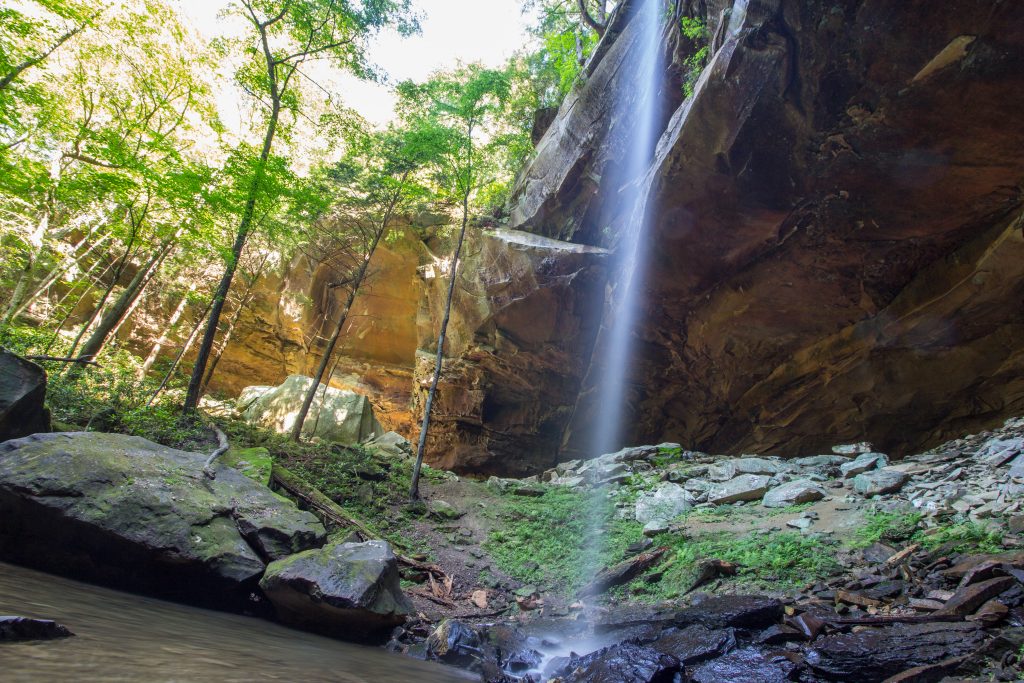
[525, 316]
[837, 243]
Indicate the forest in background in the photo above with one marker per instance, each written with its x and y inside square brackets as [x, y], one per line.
[119, 183]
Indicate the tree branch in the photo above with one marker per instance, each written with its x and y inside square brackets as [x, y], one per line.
[589, 20]
[32, 61]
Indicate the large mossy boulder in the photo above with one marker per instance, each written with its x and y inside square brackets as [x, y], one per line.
[22, 396]
[350, 590]
[128, 512]
[335, 415]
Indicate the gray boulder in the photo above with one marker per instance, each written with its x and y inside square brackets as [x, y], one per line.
[123, 510]
[731, 469]
[826, 465]
[22, 394]
[335, 415]
[879, 482]
[793, 493]
[346, 589]
[391, 443]
[664, 504]
[863, 463]
[745, 487]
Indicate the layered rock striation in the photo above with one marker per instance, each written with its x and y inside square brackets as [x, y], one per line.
[835, 221]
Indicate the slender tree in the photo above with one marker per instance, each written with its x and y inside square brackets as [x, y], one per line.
[450, 109]
[288, 34]
[381, 184]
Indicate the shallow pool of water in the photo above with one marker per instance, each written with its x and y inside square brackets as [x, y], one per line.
[124, 637]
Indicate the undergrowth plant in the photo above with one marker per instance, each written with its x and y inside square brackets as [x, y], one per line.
[697, 32]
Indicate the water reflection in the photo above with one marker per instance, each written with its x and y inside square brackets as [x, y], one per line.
[123, 637]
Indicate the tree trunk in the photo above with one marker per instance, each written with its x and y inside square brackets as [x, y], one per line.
[118, 271]
[181, 353]
[220, 296]
[110, 320]
[54, 275]
[165, 337]
[92, 282]
[25, 277]
[336, 333]
[414, 490]
[589, 20]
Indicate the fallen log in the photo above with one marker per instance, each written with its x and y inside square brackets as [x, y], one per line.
[54, 359]
[313, 497]
[332, 512]
[623, 572]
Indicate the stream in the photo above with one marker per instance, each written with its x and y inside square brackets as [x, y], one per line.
[124, 637]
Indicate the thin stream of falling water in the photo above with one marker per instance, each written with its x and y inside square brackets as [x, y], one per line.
[631, 255]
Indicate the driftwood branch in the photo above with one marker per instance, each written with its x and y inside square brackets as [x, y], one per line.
[222, 447]
[54, 359]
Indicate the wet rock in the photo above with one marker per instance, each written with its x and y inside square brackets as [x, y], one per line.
[22, 397]
[879, 482]
[969, 598]
[664, 504]
[510, 649]
[348, 589]
[874, 654]
[14, 629]
[456, 643]
[780, 633]
[747, 664]
[623, 663]
[343, 416]
[863, 463]
[695, 643]
[123, 510]
[745, 487]
[793, 493]
[738, 611]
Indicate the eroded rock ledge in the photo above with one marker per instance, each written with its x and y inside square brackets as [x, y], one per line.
[836, 219]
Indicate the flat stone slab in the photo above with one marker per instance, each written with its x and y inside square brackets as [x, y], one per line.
[737, 611]
[746, 487]
[879, 482]
[793, 493]
[874, 654]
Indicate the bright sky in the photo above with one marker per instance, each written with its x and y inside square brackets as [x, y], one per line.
[487, 31]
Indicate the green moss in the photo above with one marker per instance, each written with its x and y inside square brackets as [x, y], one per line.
[962, 536]
[887, 527]
[254, 463]
[544, 540]
[776, 561]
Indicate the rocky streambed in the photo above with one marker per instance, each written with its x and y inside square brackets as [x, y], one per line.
[922, 579]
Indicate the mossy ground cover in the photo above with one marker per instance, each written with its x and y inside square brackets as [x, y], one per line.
[955, 534]
[544, 541]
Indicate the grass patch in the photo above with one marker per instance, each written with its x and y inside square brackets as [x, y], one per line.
[962, 536]
[776, 561]
[369, 487]
[544, 540]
